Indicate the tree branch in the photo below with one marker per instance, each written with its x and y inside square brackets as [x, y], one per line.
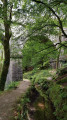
[60, 22]
[10, 17]
[61, 45]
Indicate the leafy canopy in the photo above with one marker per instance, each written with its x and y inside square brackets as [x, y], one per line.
[37, 52]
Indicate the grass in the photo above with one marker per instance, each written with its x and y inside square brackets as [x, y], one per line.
[1, 92]
[13, 85]
[20, 108]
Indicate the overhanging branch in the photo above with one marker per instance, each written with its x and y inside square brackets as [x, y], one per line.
[60, 22]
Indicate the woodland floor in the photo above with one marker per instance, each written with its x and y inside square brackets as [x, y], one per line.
[9, 99]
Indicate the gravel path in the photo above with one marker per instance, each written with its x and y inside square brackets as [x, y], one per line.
[8, 100]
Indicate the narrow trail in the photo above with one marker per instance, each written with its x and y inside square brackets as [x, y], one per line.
[8, 100]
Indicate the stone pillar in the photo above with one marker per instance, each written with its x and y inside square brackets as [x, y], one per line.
[15, 71]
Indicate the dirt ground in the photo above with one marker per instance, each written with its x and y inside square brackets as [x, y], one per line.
[8, 100]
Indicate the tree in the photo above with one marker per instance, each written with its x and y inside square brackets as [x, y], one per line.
[46, 18]
[7, 36]
[37, 53]
[50, 5]
[6, 13]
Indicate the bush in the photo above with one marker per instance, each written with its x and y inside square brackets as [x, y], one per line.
[54, 91]
[58, 96]
[62, 71]
[63, 80]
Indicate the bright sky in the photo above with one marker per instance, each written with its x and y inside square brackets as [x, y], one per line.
[1, 2]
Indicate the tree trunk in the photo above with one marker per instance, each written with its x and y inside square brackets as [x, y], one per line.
[57, 64]
[7, 23]
[5, 65]
[58, 57]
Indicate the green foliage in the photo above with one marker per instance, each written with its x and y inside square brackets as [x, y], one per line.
[37, 52]
[1, 92]
[1, 37]
[62, 71]
[62, 80]
[65, 48]
[22, 109]
[58, 96]
[47, 16]
[56, 93]
[41, 75]
[36, 74]
[29, 75]
[24, 102]
[13, 85]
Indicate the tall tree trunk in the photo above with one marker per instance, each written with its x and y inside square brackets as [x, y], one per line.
[5, 65]
[7, 36]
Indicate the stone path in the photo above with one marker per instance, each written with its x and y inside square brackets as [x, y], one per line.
[8, 100]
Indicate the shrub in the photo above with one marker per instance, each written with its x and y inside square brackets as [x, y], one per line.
[63, 80]
[62, 71]
[58, 95]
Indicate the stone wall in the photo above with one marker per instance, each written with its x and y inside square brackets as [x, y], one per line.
[15, 71]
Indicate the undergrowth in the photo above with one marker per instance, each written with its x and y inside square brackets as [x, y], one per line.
[12, 85]
[56, 92]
